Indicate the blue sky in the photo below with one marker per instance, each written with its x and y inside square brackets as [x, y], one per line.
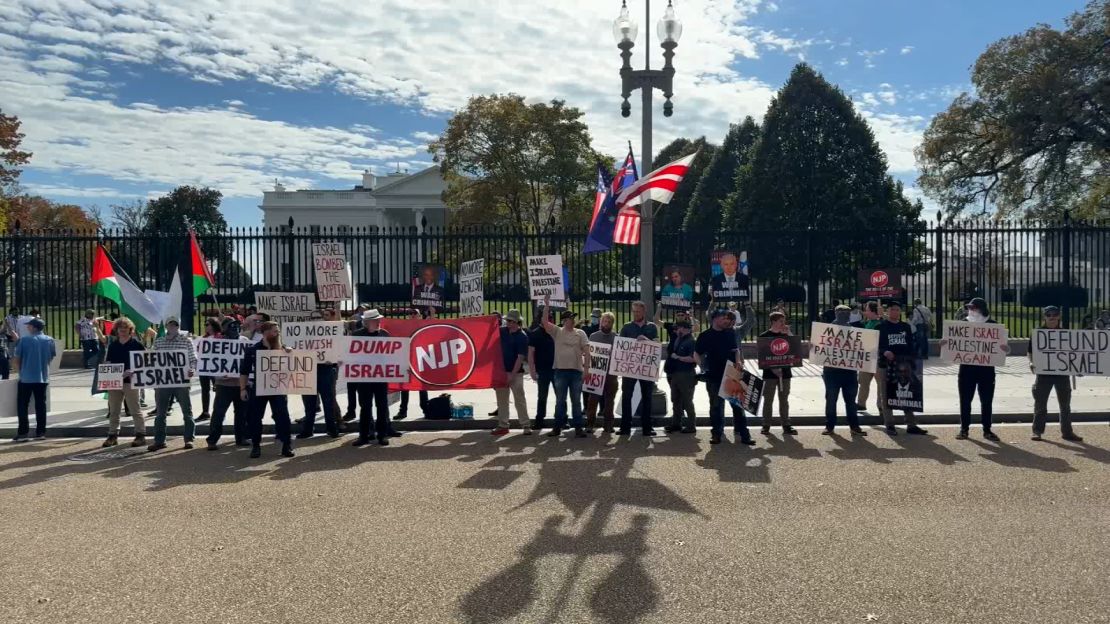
[125, 99]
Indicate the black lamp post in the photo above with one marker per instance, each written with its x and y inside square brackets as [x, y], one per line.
[669, 29]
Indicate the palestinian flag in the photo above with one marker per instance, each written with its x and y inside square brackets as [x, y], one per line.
[111, 282]
[202, 275]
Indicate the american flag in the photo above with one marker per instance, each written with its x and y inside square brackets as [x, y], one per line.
[627, 228]
[659, 186]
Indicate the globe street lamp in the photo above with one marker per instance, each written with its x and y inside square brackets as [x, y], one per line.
[669, 30]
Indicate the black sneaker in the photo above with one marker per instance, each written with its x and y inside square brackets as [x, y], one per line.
[828, 432]
[243, 443]
[493, 413]
[748, 441]
[189, 445]
[990, 435]
[765, 431]
[400, 416]
[915, 430]
[689, 430]
[671, 429]
[715, 440]
[1037, 437]
[384, 441]
[212, 446]
[203, 417]
[624, 432]
[962, 435]
[860, 407]
[859, 432]
[789, 431]
[891, 430]
[20, 438]
[361, 441]
[349, 416]
[1071, 437]
[554, 433]
[650, 433]
[287, 451]
[580, 433]
[395, 434]
[304, 435]
[256, 452]
[536, 426]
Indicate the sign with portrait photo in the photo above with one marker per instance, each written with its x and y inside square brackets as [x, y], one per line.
[677, 290]
[904, 388]
[427, 285]
[741, 388]
[729, 279]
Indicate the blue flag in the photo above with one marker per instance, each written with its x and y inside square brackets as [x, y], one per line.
[600, 237]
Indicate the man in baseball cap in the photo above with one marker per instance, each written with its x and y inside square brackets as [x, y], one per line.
[174, 340]
[1044, 384]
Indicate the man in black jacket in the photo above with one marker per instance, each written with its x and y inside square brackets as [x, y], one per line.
[974, 378]
[895, 345]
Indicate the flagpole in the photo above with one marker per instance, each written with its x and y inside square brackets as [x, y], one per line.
[647, 216]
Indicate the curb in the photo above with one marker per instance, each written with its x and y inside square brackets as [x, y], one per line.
[482, 424]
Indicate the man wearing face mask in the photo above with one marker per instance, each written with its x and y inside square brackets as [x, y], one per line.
[977, 378]
[174, 340]
[227, 395]
[1043, 386]
[841, 382]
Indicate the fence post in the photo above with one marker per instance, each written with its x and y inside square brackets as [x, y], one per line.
[938, 276]
[17, 265]
[1065, 261]
[287, 274]
[811, 278]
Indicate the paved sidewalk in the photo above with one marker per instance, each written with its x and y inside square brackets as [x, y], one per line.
[75, 413]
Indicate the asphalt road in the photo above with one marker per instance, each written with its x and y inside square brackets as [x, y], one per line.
[463, 527]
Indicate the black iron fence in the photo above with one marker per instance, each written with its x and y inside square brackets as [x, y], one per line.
[1016, 266]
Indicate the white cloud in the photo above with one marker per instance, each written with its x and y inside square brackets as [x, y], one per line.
[898, 135]
[869, 57]
[65, 190]
[906, 50]
[843, 62]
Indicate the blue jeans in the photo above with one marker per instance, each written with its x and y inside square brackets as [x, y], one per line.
[568, 380]
[544, 380]
[840, 382]
[921, 341]
[717, 414]
[326, 375]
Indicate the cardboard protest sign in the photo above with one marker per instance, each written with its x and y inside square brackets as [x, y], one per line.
[545, 278]
[333, 279]
[219, 357]
[638, 359]
[471, 295]
[427, 285]
[904, 387]
[374, 359]
[879, 284]
[160, 369]
[277, 372]
[109, 377]
[842, 346]
[594, 380]
[285, 303]
[1071, 352]
[320, 337]
[678, 286]
[741, 388]
[979, 344]
[729, 279]
[780, 351]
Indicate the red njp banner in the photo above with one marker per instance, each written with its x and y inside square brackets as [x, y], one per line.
[879, 284]
[460, 354]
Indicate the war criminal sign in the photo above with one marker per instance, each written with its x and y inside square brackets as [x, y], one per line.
[280, 373]
[843, 346]
[319, 337]
[594, 380]
[904, 388]
[160, 369]
[1071, 352]
[219, 357]
[979, 344]
[638, 359]
[545, 278]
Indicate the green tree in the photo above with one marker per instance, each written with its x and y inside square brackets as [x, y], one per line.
[167, 222]
[816, 171]
[11, 159]
[526, 169]
[1035, 136]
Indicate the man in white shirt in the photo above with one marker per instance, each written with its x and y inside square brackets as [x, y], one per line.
[920, 320]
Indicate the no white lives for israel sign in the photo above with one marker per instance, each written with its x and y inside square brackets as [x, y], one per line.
[471, 295]
[277, 372]
[842, 346]
[978, 344]
[320, 337]
[160, 369]
[333, 280]
[545, 278]
[1071, 352]
[378, 359]
[638, 359]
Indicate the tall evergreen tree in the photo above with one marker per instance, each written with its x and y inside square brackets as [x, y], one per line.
[816, 167]
[709, 209]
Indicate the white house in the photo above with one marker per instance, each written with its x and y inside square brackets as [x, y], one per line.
[397, 202]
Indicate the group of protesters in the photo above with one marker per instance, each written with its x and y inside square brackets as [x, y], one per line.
[555, 356]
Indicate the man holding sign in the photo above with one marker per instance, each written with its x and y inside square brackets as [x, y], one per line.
[779, 347]
[896, 365]
[1044, 384]
[248, 392]
[602, 394]
[842, 348]
[716, 347]
[174, 340]
[639, 366]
